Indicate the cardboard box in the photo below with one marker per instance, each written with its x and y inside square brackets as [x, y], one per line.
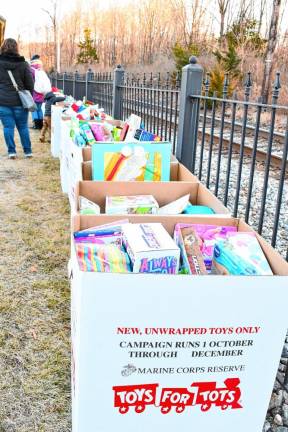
[178, 172]
[151, 249]
[65, 146]
[163, 352]
[56, 130]
[163, 192]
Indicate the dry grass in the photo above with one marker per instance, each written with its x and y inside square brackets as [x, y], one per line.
[34, 302]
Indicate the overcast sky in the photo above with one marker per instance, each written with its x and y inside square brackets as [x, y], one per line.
[23, 16]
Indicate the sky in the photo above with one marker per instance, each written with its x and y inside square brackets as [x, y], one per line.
[24, 15]
[21, 15]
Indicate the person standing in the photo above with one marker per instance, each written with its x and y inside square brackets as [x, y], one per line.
[50, 99]
[37, 116]
[12, 112]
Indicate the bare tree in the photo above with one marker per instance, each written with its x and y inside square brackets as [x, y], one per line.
[261, 15]
[222, 6]
[53, 17]
[271, 45]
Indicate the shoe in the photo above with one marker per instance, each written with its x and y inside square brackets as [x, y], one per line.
[12, 155]
[28, 155]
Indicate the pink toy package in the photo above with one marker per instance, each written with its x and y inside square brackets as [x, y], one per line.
[207, 236]
[100, 132]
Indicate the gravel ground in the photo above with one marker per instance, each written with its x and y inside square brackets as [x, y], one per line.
[257, 192]
[277, 414]
[34, 302]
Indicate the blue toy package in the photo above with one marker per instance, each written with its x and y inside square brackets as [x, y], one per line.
[198, 209]
[240, 254]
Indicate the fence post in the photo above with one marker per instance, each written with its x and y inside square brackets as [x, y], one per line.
[74, 83]
[191, 84]
[64, 77]
[117, 106]
[88, 77]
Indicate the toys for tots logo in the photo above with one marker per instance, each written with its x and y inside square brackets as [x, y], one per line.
[204, 394]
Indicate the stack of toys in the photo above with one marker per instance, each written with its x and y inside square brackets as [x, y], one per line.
[211, 249]
[143, 204]
[123, 247]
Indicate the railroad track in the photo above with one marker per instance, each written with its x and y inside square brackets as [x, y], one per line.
[261, 154]
[170, 122]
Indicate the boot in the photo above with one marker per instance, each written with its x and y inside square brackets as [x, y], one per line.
[43, 133]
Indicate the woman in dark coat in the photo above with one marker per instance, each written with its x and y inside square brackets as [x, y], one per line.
[12, 112]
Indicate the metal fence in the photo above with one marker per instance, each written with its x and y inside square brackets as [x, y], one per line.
[236, 146]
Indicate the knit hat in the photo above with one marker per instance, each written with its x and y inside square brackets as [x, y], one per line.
[35, 57]
[36, 62]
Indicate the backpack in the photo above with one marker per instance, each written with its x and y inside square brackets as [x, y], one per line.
[42, 83]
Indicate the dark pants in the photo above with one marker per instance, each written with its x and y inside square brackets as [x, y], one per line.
[11, 117]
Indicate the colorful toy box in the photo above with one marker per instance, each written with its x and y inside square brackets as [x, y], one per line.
[240, 254]
[147, 161]
[151, 249]
[134, 204]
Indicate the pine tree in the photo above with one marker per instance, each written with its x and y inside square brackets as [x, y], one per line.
[88, 53]
[182, 54]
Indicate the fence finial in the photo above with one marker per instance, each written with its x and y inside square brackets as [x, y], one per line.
[277, 84]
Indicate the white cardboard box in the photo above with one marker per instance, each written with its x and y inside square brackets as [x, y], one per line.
[147, 346]
[56, 130]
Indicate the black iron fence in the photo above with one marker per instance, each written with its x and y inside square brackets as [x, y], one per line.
[236, 146]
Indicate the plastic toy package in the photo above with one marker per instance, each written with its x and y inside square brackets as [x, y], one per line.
[197, 209]
[102, 131]
[108, 258]
[134, 204]
[207, 235]
[240, 254]
[101, 249]
[131, 162]
[87, 133]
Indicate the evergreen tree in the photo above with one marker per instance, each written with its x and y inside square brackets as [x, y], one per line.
[88, 53]
[182, 54]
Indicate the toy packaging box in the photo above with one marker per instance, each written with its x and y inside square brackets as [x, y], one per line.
[192, 261]
[148, 161]
[133, 123]
[151, 249]
[134, 204]
[241, 254]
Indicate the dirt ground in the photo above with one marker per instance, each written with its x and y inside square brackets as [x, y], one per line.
[34, 290]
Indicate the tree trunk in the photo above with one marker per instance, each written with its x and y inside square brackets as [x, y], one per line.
[222, 29]
[271, 45]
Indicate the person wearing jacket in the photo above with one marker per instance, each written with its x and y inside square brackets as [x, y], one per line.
[50, 99]
[37, 116]
[12, 112]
